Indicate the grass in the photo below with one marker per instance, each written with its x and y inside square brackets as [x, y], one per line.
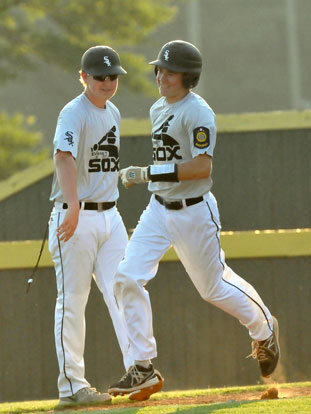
[297, 405]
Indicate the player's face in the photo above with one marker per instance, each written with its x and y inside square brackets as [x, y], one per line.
[99, 91]
[170, 85]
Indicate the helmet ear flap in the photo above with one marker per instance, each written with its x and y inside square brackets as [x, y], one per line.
[190, 80]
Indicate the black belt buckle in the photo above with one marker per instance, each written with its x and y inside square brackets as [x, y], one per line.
[173, 205]
[170, 205]
[178, 205]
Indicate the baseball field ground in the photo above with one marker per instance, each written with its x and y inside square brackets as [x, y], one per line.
[261, 399]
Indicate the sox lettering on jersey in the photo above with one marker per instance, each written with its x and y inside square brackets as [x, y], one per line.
[108, 152]
[165, 148]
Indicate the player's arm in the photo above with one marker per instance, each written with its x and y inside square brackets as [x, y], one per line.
[195, 169]
[67, 177]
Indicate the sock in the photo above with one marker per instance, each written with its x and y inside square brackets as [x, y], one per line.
[144, 363]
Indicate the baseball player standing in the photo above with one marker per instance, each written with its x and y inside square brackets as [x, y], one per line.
[183, 213]
[86, 235]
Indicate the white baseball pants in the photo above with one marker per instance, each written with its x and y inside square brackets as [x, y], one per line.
[195, 234]
[95, 249]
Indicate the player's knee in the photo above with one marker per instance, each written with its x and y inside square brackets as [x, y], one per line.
[211, 292]
[123, 280]
[211, 283]
[120, 279]
[126, 287]
[206, 295]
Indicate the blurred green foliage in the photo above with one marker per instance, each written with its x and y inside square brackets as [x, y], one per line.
[19, 146]
[58, 32]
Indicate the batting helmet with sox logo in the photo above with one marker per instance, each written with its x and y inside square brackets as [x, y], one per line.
[101, 61]
[180, 56]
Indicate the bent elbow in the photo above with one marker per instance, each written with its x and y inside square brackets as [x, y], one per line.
[206, 173]
[206, 169]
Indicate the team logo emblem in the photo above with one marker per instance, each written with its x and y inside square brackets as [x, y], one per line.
[201, 137]
[165, 147]
[105, 154]
[107, 61]
[69, 138]
[166, 54]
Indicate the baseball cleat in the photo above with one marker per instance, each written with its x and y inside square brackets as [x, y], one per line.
[267, 352]
[85, 396]
[145, 393]
[139, 382]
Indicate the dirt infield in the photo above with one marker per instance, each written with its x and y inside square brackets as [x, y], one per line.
[286, 392]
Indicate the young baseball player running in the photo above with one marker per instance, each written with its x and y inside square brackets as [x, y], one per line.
[86, 235]
[182, 212]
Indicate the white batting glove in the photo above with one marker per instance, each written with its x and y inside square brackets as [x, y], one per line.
[133, 175]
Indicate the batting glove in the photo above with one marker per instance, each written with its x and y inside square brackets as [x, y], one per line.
[134, 175]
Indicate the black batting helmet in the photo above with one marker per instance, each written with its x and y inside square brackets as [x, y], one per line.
[181, 56]
[101, 61]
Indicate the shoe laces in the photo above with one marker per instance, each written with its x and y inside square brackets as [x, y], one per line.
[134, 373]
[89, 391]
[259, 350]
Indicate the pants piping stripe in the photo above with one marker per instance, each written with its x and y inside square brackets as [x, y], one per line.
[217, 228]
[63, 315]
[217, 231]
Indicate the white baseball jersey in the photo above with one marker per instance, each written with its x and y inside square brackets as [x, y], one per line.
[180, 132]
[92, 135]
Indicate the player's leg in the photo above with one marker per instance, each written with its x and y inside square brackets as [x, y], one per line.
[112, 247]
[147, 245]
[73, 266]
[204, 261]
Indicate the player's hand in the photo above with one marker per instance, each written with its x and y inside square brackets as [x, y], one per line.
[133, 175]
[67, 228]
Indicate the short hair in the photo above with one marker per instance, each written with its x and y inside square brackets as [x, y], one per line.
[81, 80]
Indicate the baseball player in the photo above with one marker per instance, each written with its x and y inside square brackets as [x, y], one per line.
[87, 236]
[182, 213]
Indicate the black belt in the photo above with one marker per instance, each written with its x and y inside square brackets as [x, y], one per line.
[178, 205]
[94, 206]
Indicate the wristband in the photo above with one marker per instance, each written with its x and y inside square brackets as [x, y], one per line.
[163, 172]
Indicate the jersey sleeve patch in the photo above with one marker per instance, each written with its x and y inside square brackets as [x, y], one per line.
[201, 138]
[69, 138]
